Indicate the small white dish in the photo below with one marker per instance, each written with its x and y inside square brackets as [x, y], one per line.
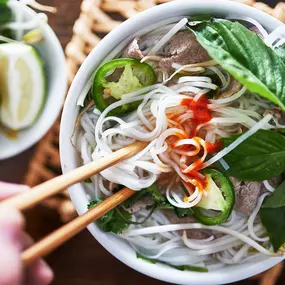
[70, 158]
[55, 67]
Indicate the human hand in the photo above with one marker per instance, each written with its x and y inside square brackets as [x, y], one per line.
[13, 240]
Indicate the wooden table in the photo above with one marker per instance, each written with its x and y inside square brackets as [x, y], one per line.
[81, 261]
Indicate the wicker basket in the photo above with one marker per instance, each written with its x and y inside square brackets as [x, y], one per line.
[97, 18]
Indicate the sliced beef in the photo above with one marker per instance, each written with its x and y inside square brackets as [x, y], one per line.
[278, 114]
[247, 194]
[184, 49]
[133, 50]
[141, 204]
[193, 234]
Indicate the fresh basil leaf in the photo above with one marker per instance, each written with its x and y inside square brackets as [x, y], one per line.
[246, 57]
[114, 221]
[272, 214]
[277, 198]
[274, 222]
[195, 20]
[281, 130]
[280, 51]
[178, 267]
[258, 158]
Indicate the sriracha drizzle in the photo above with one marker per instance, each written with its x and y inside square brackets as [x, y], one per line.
[201, 114]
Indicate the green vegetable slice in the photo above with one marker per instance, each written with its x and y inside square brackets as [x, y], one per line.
[220, 199]
[258, 158]
[246, 57]
[272, 214]
[118, 77]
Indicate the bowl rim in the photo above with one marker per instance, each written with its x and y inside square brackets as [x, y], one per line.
[36, 133]
[69, 158]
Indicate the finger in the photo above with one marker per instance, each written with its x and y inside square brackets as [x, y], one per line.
[39, 273]
[11, 224]
[10, 189]
[26, 241]
[10, 264]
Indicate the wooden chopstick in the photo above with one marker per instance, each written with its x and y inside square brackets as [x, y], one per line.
[57, 184]
[67, 231]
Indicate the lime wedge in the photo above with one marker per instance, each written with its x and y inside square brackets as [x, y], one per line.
[22, 85]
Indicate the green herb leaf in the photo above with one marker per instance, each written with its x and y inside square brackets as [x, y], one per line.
[158, 199]
[272, 216]
[277, 198]
[280, 51]
[165, 206]
[114, 221]
[153, 261]
[258, 158]
[5, 12]
[156, 194]
[246, 57]
[181, 212]
[199, 19]
[178, 267]
[135, 198]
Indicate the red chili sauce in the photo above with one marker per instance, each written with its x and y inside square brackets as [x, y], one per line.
[201, 114]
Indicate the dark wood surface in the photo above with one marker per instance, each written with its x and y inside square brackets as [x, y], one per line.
[81, 261]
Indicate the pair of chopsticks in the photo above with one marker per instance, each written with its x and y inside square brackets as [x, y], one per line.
[53, 186]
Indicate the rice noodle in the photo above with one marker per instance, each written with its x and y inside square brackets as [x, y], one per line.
[268, 186]
[262, 124]
[85, 91]
[168, 36]
[225, 82]
[7, 40]
[260, 28]
[217, 102]
[177, 227]
[188, 67]
[167, 126]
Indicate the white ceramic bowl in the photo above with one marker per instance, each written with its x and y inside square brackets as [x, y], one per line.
[56, 74]
[70, 158]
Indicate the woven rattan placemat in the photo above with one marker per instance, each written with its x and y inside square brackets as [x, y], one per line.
[97, 18]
